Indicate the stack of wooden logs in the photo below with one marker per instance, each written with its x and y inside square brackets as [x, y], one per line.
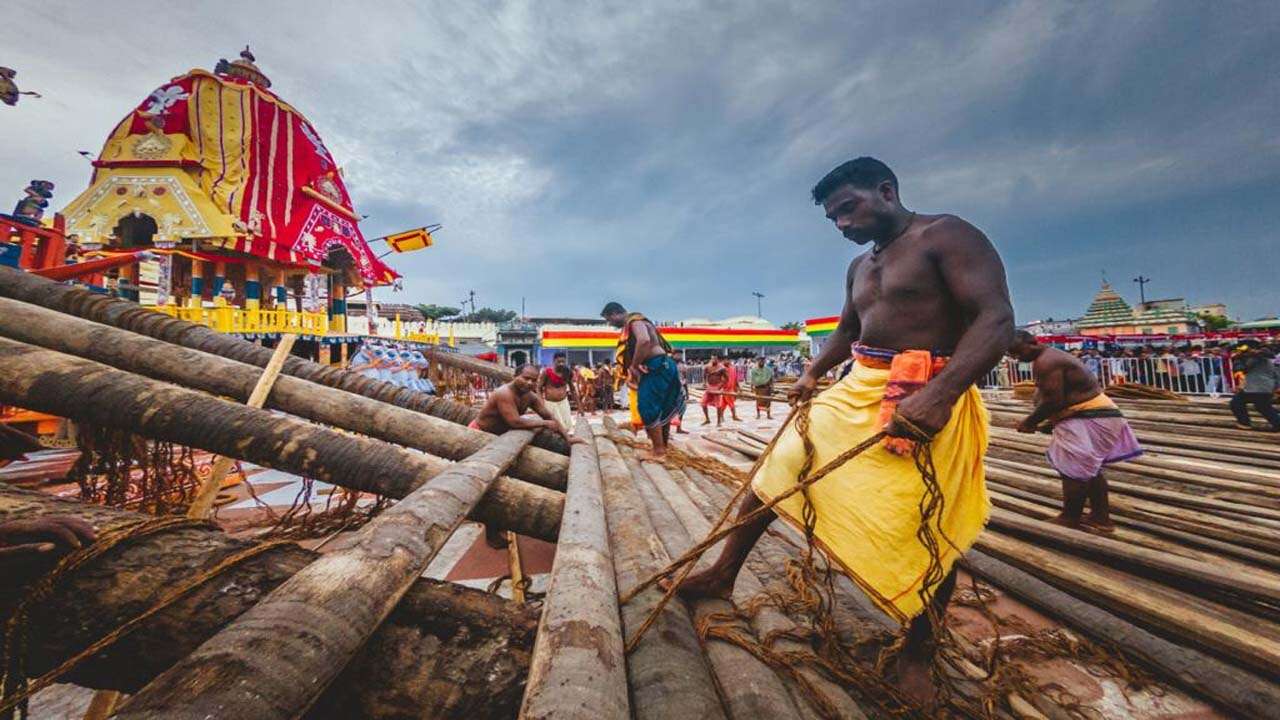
[274, 631]
[1194, 561]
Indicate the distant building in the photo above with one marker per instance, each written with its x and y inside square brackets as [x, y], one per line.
[1049, 326]
[1211, 310]
[1109, 314]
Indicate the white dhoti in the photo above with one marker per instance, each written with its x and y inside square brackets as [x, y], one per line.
[562, 413]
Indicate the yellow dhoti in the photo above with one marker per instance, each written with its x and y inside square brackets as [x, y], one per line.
[868, 510]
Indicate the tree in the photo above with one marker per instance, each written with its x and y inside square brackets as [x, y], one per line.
[793, 325]
[1215, 322]
[488, 314]
[438, 312]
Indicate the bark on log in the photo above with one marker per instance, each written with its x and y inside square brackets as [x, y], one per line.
[667, 671]
[84, 390]
[488, 369]
[767, 620]
[29, 288]
[436, 625]
[1257, 585]
[1244, 639]
[276, 659]
[221, 376]
[579, 669]
[1234, 689]
[749, 687]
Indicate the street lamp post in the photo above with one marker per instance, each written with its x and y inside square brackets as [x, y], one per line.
[759, 297]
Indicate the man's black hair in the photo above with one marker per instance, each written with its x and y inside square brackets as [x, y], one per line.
[559, 355]
[1022, 336]
[522, 366]
[612, 308]
[865, 173]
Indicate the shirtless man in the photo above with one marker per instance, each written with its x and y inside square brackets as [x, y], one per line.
[1088, 429]
[929, 282]
[506, 407]
[556, 385]
[505, 410]
[715, 375]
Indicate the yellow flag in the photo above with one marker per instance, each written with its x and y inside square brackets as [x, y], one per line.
[409, 240]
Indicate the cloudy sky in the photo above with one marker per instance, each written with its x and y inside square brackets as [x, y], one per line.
[661, 153]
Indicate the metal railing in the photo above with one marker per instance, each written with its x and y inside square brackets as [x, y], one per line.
[1207, 375]
[230, 319]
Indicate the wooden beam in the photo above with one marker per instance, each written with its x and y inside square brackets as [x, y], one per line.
[579, 669]
[230, 378]
[1240, 692]
[439, 633]
[86, 391]
[275, 660]
[667, 672]
[130, 316]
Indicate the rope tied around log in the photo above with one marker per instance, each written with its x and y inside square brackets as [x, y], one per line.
[15, 690]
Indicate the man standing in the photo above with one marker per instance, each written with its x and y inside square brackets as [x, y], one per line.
[556, 386]
[928, 309]
[1089, 431]
[730, 396]
[1261, 377]
[714, 376]
[761, 380]
[651, 372]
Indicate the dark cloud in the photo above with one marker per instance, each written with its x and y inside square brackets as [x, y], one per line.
[661, 153]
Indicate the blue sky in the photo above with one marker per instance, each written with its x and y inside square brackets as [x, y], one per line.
[661, 154]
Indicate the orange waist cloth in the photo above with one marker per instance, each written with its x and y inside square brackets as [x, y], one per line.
[909, 370]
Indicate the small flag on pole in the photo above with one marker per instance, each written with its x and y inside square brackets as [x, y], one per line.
[409, 240]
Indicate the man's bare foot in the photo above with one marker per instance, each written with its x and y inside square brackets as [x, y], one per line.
[707, 421]
[705, 584]
[682, 431]
[1064, 521]
[916, 681]
[1102, 525]
[653, 456]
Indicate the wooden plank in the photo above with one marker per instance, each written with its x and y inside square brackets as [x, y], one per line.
[276, 659]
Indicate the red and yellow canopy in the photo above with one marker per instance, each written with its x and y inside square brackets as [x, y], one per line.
[216, 157]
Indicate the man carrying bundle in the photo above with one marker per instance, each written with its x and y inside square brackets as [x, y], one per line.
[651, 372]
[1088, 429]
[926, 314]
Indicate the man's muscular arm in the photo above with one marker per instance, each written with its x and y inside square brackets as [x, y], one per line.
[506, 402]
[549, 420]
[839, 344]
[1052, 396]
[974, 275]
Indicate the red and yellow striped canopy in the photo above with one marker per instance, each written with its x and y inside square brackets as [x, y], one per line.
[681, 338]
[821, 327]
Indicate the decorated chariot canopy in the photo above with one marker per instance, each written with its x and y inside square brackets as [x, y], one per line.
[218, 157]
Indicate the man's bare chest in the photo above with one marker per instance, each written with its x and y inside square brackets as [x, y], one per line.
[885, 282]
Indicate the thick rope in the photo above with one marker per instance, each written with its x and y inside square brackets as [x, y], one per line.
[15, 689]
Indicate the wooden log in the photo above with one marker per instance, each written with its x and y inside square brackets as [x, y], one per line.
[579, 669]
[87, 391]
[437, 628]
[1241, 638]
[1146, 510]
[768, 620]
[1165, 497]
[750, 452]
[1257, 585]
[276, 659]
[1236, 690]
[123, 314]
[749, 687]
[667, 672]
[222, 376]
[466, 363]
